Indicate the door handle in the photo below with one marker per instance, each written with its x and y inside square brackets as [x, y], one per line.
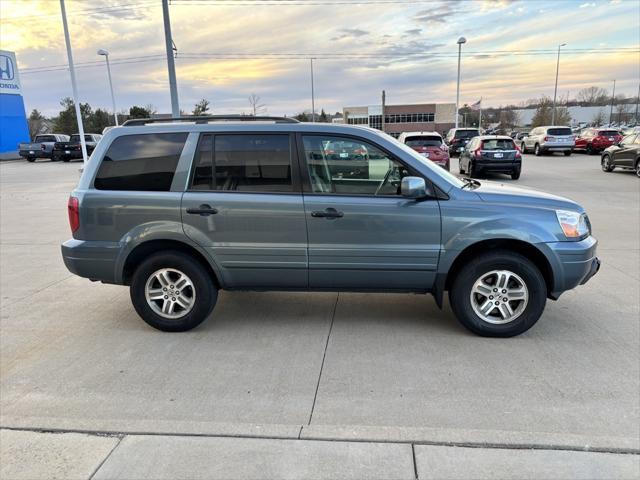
[327, 213]
[203, 210]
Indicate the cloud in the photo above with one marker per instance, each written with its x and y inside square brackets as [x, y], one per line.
[350, 33]
[441, 13]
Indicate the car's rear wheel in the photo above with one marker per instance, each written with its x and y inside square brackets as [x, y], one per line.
[605, 163]
[473, 170]
[498, 294]
[567, 153]
[515, 175]
[172, 292]
[460, 166]
[537, 151]
[66, 159]
[590, 150]
[31, 159]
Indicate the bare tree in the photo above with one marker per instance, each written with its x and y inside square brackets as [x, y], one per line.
[622, 110]
[544, 112]
[592, 96]
[256, 107]
[201, 108]
[599, 118]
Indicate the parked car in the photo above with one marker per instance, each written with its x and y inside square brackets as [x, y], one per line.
[521, 135]
[625, 154]
[428, 144]
[543, 140]
[349, 159]
[457, 138]
[594, 140]
[489, 153]
[72, 149]
[41, 147]
[179, 210]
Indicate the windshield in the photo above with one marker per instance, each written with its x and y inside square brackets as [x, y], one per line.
[76, 138]
[559, 131]
[466, 133]
[433, 168]
[498, 144]
[424, 141]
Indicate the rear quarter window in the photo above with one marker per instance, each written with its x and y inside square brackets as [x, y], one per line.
[145, 162]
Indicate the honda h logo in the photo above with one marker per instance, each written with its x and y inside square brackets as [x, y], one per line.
[7, 70]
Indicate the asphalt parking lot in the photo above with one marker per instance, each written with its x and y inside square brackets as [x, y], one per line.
[315, 384]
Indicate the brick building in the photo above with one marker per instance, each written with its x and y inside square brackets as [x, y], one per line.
[438, 117]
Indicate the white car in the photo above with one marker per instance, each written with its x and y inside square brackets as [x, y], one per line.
[549, 139]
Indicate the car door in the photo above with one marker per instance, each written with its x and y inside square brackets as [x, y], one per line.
[363, 234]
[244, 206]
[625, 155]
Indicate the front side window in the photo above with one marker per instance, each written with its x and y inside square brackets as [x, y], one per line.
[339, 165]
[243, 163]
[628, 140]
[145, 162]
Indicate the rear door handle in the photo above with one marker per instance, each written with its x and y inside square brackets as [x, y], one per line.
[203, 210]
[327, 213]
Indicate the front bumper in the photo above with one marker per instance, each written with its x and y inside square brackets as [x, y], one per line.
[93, 260]
[573, 264]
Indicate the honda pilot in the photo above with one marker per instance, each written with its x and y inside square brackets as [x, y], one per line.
[180, 209]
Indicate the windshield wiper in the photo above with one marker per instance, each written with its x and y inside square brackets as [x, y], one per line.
[470, 182]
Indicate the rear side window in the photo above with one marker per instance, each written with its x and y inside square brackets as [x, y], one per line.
[45, 138]
[559, 131]
[144, 162]
[498, 144]
[243, 163]
[423, 141]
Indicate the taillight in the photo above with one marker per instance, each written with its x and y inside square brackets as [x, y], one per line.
[478, 153]
[74, 214]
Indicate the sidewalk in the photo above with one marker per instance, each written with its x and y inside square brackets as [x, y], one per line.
[34, 455]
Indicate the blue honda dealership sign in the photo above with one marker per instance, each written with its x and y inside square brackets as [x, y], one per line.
[13, 120]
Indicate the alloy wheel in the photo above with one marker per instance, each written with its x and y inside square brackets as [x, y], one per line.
[170, 293]
[499, 296]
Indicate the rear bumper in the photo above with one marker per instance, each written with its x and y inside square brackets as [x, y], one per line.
[488, 166]
[94, 260]
[573, 263]
[71, 154]
[35, 154]
[556, 148]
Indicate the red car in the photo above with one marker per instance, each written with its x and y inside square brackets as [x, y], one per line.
[428, 144]
[593, 140]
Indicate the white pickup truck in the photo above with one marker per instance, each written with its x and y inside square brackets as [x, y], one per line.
[42, 146]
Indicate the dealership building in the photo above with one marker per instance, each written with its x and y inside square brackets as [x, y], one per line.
[433, 117]
[13, 120]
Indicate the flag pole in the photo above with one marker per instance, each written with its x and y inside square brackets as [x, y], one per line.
[480, 117]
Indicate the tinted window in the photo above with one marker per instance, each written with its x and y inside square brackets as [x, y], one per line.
[628, 140]
[141, 162]
[76, 138]
[45, 138]
[423, 141]
[364, 170]
[203, 167]
[498, 144]
[467, 133]
[252, 163]
[559, 131]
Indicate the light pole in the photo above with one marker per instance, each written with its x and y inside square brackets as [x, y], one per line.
[555, 91]
[113, 98]
[313, 99]
[173, 84]
[461, 40]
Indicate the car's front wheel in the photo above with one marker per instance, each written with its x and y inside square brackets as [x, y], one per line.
[605, 163]
[498, 294]
[638, 168]
[173, 292]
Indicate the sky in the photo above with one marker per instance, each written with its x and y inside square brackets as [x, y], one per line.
[230, 49]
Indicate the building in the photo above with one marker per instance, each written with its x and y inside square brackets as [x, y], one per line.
[623, 113]
[13, 121]
[438, 117]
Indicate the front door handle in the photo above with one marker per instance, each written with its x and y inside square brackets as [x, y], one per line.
[327, 213]
[203, 210]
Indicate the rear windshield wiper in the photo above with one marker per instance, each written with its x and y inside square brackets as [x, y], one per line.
[471, 183]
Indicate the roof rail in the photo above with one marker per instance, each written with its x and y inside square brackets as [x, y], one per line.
[207, 119]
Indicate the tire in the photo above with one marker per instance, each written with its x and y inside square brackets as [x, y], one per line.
[462, 170]
[525, 313]
[473, 171]
[605, 163]
[537, 151]
[66, 159]
[567, 153]
[523, 147]
[590, 150]
[202, 291]
[31, 159]
[515, 175]
[638, 168]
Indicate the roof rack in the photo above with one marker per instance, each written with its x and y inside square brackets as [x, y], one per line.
[207, 119]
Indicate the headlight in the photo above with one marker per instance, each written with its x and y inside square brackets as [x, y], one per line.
[573, 224]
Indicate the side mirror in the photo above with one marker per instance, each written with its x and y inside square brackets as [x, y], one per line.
[414, 187]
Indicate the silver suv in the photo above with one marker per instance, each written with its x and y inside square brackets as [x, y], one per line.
[548, 140]
[180, 210]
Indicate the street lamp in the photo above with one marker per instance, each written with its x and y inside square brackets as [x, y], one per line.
[461, 40]
[555, 91]
[113, 98]
[313, 98]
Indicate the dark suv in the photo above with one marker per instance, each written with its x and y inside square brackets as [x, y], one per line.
[178, 211]
[489, 153]
[457, 138]
[625, 154]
